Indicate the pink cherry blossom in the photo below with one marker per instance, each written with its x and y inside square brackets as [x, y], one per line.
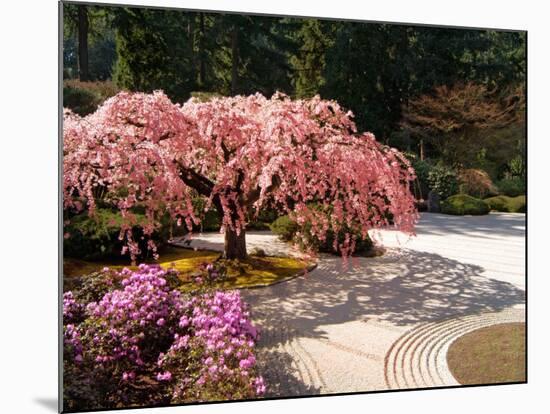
[242, 154]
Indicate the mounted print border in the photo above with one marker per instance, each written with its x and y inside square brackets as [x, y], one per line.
[259, 207]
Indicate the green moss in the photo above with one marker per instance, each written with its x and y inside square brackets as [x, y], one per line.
[463, 204]
[507, 204]
[254, 271]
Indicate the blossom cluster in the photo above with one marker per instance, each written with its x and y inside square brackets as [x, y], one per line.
[144, 335]
[220, 328]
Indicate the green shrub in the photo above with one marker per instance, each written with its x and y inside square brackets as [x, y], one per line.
[97, 237]
[83, 98]
[512, 187]
[421, 184]
[507, 204]
[476, 183]
[442, 180]
[286, 229]
[210, 221]
[264, 219]
[80, 101]
[463, 204]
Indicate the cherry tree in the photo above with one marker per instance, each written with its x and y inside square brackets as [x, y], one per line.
[241, 154]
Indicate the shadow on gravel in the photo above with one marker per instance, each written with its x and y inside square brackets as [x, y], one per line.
[403, 287]
[281, 377]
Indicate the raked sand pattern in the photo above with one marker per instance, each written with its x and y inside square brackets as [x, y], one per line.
[387, 322]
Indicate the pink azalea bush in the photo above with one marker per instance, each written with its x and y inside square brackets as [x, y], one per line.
[241, 154]
[144, 343]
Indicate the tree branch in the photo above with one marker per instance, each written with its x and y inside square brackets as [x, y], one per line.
[254, 195]
[195, 180]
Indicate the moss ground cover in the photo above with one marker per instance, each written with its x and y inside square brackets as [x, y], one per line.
[495, 354]
[250, 272]
[507, 204]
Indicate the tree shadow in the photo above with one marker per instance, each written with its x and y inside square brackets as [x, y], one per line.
[281, 376]
[403, 287]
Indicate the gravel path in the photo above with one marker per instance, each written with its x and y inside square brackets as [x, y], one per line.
[386, 322]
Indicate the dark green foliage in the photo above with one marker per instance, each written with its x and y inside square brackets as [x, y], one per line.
[154, 52]
[286, 229]
[463, 204]
[442, 180]
[94, 286]
[264, 219]
[507, 204]
[420, 186]
[97, 237]
[512, 187]
[80, 101]
[308, 61]
[210, 220]
[101, 42]
[83, 98]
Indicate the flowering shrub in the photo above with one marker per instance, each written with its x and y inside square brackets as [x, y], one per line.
[220, 349]
[146, 343]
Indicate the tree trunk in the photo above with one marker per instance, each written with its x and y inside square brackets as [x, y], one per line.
[83, 43]
[235, 245]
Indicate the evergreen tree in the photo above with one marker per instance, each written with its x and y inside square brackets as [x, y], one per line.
[154, 51]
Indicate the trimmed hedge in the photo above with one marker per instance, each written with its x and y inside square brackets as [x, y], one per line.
[507, 204]
[463, 204]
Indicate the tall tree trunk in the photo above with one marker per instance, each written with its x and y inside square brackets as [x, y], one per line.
[83, 43]
[234, 60]
[235, 245]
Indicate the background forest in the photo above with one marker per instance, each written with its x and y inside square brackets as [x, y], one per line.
[452, 99]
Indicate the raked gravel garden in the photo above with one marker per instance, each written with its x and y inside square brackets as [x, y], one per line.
[386, 322]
